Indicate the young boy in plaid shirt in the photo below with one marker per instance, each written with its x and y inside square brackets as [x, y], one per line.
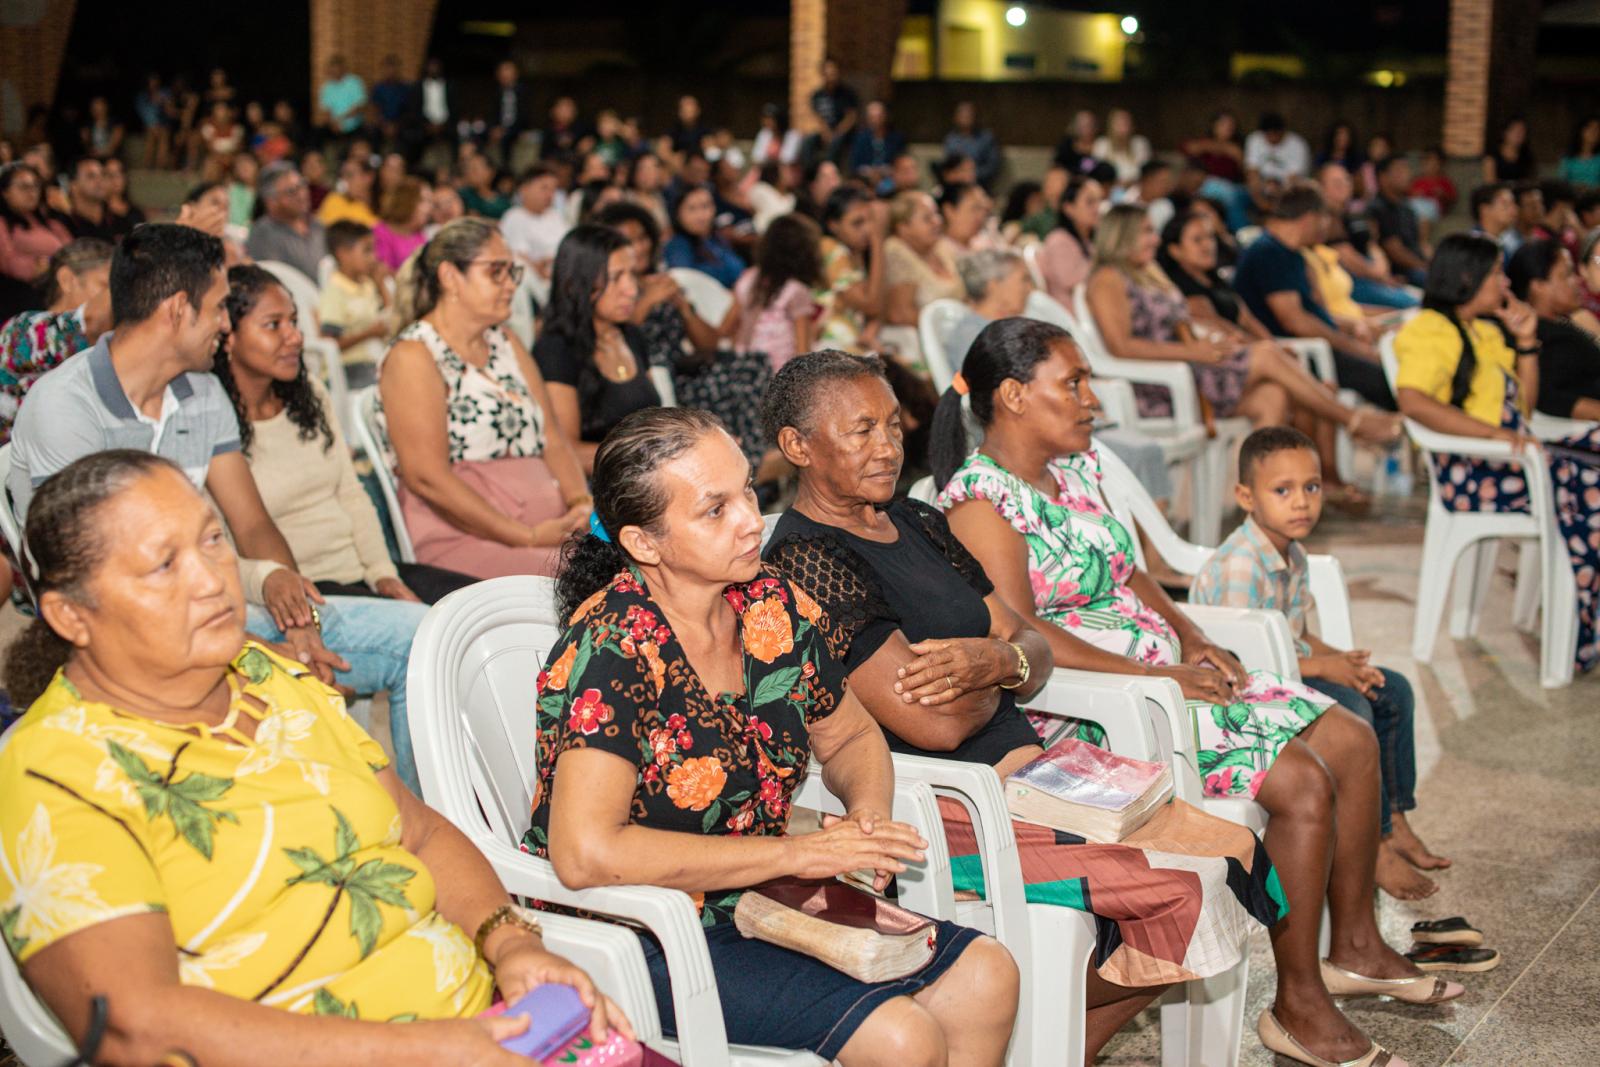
[1262, 565]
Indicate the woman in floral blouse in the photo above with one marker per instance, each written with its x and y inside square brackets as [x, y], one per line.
[489, 484]
[196, 831]
[677, 715]
[1028, 505]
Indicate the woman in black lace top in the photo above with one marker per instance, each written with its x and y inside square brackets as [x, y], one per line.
[941, 662]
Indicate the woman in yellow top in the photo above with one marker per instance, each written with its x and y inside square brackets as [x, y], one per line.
[1457, 375]
[196, 830]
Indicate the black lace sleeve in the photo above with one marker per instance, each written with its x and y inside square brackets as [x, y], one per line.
[932, 522]
[840, 581]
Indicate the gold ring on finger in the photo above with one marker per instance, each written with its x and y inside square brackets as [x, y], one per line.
[949, 682]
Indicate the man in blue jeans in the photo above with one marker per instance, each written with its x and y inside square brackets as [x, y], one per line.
[145, 386]
[1262, 565]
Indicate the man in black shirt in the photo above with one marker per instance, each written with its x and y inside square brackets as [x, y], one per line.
[86, 193]
[1399, 233]
[836, 106]
[1541, 273]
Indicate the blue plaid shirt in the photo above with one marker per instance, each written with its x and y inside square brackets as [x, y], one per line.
[1246, 571]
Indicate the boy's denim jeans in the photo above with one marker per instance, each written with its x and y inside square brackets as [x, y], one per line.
[374, 637]
[1389, 712]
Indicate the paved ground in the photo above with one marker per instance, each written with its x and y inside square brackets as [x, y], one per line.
[1508, 790]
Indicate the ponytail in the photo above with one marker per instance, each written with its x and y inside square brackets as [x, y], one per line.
[948, 443]
[587, 564]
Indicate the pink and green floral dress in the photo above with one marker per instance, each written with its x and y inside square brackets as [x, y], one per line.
[1080, 559]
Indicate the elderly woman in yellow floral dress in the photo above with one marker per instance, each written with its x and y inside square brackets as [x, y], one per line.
[196, 831]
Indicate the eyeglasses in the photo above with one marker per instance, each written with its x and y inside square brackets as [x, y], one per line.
[500, 268]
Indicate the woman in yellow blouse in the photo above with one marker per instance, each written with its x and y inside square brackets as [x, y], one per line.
[1458, 376]
[196, 830]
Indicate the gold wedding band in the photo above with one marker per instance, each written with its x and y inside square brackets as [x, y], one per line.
[949, 682]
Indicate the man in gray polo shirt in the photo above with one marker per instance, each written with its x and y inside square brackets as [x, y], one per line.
[145, 386]
[286, 232]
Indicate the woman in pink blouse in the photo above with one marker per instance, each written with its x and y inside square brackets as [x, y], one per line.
[29, 236]
[1068, 250]
[402, 223]
[777, 313]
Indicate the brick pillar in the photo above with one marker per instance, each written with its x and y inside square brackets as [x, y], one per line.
[862, 35]
[364, 31]
[33, 40]
[1491, 61]
[808, 44]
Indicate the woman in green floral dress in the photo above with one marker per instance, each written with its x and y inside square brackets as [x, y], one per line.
[1028, 506]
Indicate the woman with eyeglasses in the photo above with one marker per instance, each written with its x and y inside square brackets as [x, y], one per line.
[595, 359]
[489, 484]
[29, 233]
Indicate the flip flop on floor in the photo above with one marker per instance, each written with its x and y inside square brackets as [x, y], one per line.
[1453, 958]
[1423, 989]
[1452, 931]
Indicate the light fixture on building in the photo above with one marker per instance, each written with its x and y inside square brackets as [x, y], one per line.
[1130, 25]
[1016, 16]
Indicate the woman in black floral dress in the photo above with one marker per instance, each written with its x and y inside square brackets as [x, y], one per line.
[677, 715]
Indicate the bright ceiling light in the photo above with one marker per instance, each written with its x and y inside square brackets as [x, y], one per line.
[1130, 25]
[1016, 16]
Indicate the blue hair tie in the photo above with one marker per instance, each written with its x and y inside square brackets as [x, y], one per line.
[598, 528]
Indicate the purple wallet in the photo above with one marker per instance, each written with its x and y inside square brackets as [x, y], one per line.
[556, 1015]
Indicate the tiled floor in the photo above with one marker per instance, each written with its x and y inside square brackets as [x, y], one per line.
[1510, 787]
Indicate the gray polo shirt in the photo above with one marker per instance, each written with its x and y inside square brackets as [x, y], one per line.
[272, 240]
[81, 408]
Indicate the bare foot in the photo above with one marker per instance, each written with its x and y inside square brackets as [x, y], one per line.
[1399, 879]
[1405, 841]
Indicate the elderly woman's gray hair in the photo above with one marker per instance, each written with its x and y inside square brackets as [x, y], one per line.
[982, 269]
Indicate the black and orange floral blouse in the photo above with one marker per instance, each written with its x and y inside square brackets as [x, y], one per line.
[724, 763]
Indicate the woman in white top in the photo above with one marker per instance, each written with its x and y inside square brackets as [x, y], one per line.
[489, 485]
[1121, 147]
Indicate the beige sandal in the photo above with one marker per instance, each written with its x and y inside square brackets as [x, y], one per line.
[1423, 989]
[1393, 429]
[1281, 1041]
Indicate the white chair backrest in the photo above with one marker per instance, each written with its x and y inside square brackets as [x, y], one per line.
[9, 525]
[923, 489]
[325, 268]
[522, 323]
[473, 664]
[1088, 333]
[366, 435]
[29, 1027]
[771, 522]
[661, 378]
[709, 297]
[1046, 308]
[1030, 256]
[1132, 504]
[933, 325]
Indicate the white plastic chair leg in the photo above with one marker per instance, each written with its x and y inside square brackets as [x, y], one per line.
[1062, 944]
[1559, 636]
[1432, 589]
[1202, 1023]
[1530, 582]
[1474, 570]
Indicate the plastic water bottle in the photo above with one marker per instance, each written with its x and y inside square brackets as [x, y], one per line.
[1402, 482]
[1386, 476]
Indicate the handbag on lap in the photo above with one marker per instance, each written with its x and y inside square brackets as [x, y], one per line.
[854, 932]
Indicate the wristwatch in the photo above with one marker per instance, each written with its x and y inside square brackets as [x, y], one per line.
[504, 915]
[1023, 669]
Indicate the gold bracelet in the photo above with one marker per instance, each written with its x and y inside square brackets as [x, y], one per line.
[1023, 669]
[316, 616]
[504, 915]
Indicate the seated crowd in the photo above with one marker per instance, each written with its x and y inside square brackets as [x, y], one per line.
[717, 335]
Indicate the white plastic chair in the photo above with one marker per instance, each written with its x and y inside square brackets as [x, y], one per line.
[1316, 356]
[661, 378]
[471, 674]
[1030, 258]
[709, 297]
[1460, 545]
[905, 341]
[1182, 435]
[933, 326]
[368, 437]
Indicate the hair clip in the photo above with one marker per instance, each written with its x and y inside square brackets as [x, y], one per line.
[598, 528]
[959, 384]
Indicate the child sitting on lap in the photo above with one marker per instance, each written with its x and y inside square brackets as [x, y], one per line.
[1262, 565]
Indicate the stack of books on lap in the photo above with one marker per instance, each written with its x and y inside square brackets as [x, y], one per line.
[1080, 789]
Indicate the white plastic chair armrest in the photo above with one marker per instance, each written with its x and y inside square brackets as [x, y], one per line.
[1260, 639]
[1116, 400]
[1315, 354]
[1114, 702]
[1554, 427]
[1162, 730]
[1476, 447]
[924, 887]
[1326, 579]
[611, 955]
[666, 913]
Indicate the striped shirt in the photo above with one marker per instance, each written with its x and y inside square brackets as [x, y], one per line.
[1247, 571]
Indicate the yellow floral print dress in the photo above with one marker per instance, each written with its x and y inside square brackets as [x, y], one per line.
[277, 860]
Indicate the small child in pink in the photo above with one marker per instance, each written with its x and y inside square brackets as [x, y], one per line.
[777, 314]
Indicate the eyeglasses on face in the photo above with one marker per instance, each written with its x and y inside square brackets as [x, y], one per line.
[500, 269]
